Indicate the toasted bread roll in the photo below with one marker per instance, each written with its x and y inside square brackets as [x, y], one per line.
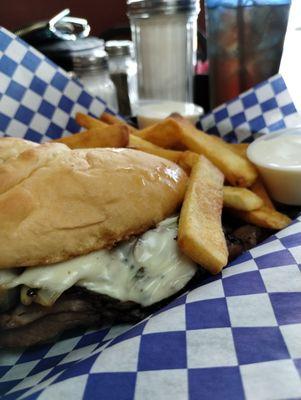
[57, 203]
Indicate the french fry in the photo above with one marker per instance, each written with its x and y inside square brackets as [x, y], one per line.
[110, 119]
[148, 147]
[166, 138]
[111, 136]
[134, 141]
[259, 189]
[240, 148]
[237, 170]
[241, 199]
[164, 134]
[200, 233]
[187, 160]
[265, 217]
[88, 122]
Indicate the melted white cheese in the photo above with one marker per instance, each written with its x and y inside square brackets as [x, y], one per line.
[145, 270]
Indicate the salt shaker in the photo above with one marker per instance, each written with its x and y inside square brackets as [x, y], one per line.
[165, 39]
[92, 68]
[123, 72]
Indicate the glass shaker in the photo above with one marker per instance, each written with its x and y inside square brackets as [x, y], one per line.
[92, 68]
[63, 52]
[165, 39]
[123, 72]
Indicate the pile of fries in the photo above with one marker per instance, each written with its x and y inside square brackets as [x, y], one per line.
[210, 162]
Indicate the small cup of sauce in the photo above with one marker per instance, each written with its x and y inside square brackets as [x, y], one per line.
[277, 157]
[150, 112]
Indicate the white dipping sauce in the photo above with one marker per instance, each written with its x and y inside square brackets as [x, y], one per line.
[277, 157]
[278, 151]
[150, 112]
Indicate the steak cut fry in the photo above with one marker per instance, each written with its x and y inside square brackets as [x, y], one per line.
[241, 199]
[110, 136]
[265, 217]
[88, 122]
[110, 119]
[240, 148]
[259, 189]
[188, 159]
[237, 170]
[164, 134]
[138, 143]
[201, 235]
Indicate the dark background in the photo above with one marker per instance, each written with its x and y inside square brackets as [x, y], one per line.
[101, 14]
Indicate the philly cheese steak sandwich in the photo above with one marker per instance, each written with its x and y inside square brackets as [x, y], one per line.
[88, 238]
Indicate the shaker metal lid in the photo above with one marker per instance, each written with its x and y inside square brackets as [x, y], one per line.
[90, 59]
[70, 47]
[60, 27]
[119, 48]
[144, 8]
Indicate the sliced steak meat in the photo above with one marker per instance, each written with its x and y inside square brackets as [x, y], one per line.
[25, 326]
[235, 246]
[8, 298]
[34, 324]
[244, 238]
[30, 325]
[45, 328]
[249, 235]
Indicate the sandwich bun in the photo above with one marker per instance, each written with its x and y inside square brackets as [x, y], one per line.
[57, 203]
[12, 147]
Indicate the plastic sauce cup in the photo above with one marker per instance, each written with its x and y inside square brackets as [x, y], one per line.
[150, 112]
[277, 157]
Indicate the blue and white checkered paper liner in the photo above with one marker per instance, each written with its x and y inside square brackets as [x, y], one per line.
[264, 108]
[38, 100]
[236, 336]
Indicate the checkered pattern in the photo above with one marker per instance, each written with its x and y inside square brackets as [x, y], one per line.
[38, 100]
[235, 336]
[264, 108]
